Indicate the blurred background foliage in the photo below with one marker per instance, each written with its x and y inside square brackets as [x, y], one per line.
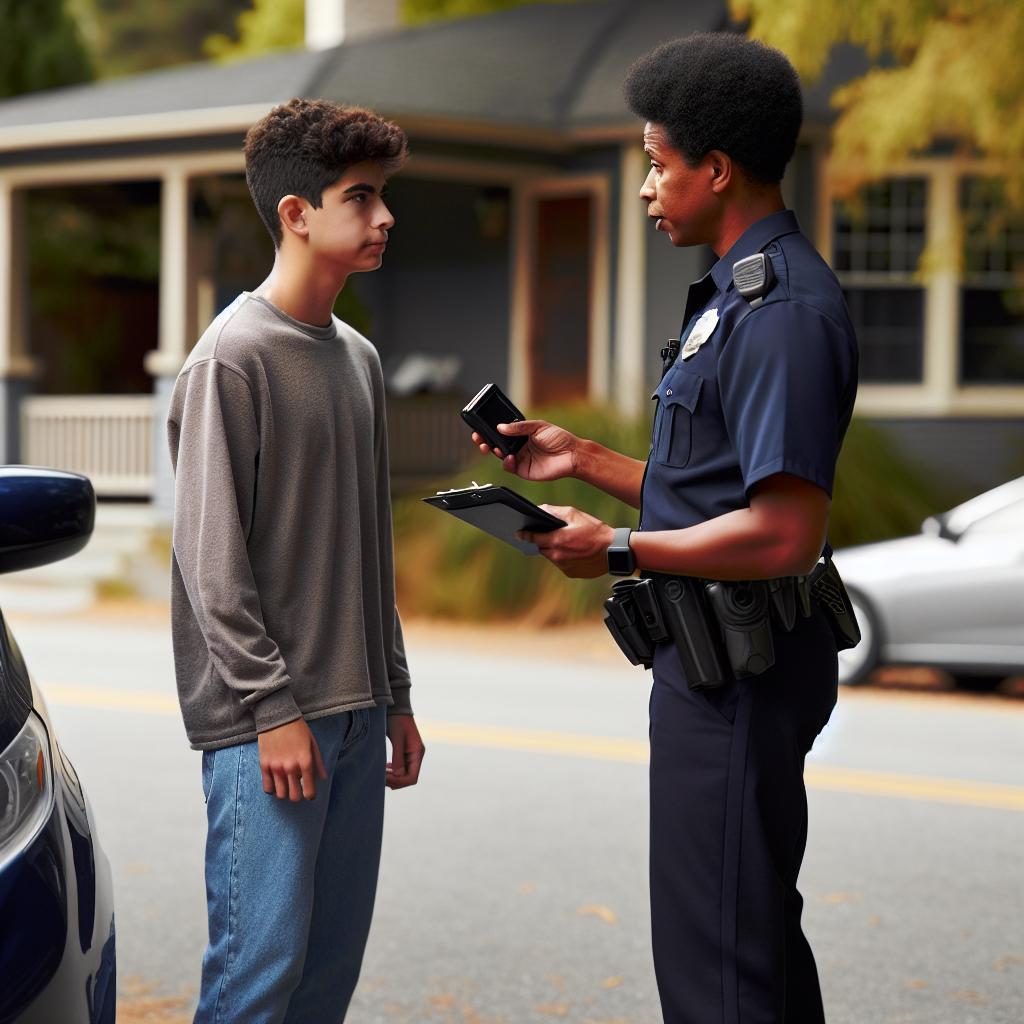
[42, 47]
[447, 569]
[129, 36]
[270, 25]
[948, 72]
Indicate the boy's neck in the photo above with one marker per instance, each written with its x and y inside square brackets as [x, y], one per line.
[305, 293]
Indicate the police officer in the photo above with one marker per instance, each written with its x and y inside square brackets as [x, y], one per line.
[749, 421]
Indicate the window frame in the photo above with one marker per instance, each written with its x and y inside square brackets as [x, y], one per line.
[940, 393]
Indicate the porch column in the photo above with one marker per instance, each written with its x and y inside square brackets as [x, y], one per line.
[942, 295]
[17, 369]
[631, 275]
[167, 359]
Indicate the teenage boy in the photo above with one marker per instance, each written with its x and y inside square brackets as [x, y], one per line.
[288, 649]
[751, 413]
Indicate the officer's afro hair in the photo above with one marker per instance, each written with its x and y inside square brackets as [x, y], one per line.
[304, 146]
[720, 90]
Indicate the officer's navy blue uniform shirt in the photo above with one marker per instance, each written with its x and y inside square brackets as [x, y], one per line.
[770, 391]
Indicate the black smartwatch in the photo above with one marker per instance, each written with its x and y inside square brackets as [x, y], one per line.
[621, 560]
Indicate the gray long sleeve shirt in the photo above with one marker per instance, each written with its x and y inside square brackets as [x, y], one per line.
[282, 589]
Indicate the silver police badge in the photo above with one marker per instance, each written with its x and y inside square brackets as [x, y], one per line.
[702, 330]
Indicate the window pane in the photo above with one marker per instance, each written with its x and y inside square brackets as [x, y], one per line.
[992, 299]
[889, 325]
[882, 230]
[993, 233]
[991, 336]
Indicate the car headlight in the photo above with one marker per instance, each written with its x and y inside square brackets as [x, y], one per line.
[26, 788]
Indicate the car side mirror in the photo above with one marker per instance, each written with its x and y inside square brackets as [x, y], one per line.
[45, 515]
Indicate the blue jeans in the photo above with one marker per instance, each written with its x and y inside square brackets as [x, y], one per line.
[290, 886]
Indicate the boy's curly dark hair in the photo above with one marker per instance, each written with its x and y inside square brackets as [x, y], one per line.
[304, 146]
[720, 90]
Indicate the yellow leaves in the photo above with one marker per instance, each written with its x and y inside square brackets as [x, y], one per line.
[958, 77]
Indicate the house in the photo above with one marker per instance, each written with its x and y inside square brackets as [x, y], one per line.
[521, 255]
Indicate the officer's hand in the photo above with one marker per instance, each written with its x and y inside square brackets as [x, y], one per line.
[580, 548]
[550, 453]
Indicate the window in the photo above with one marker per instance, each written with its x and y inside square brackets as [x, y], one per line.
[878, 238]
[992, 286]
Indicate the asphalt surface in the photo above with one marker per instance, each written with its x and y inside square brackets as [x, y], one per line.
[513, 885]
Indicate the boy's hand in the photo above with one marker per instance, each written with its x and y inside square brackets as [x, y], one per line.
[550, 453]
[288, 756]
[407, 752]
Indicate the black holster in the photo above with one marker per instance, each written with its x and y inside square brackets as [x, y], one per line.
[641, 613]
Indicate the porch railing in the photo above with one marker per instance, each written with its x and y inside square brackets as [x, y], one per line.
[109, 438]
[427, 439]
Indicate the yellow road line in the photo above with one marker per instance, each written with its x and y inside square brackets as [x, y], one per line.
[931, 789]
[110, 699]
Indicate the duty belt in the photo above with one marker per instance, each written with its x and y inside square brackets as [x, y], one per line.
[723, 630]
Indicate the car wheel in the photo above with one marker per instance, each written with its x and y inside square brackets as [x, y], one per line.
[975, 683]
[856, 664]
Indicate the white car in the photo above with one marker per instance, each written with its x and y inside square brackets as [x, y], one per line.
[951, 597]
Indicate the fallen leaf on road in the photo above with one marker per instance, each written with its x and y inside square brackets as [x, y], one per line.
[552, 1009]
[606, 914]
[614, 982]
[835, 898]
[1008, 961]
[527, 887]
[968, 995]
[442, 1002]
[916, 983]
[140, 1005]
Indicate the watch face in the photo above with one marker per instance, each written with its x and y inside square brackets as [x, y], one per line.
[621, 561]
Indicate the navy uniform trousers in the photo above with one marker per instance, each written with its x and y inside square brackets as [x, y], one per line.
[728, 830]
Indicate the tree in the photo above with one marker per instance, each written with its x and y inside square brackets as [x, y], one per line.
[415, 12]
[129, 36]
[278, 24]
[267, 25]
[42, 48]
[950, 71]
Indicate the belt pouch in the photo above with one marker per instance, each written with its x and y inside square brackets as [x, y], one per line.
[624, 622]
[686, 621]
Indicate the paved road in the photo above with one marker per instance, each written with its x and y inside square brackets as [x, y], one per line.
[513, 882]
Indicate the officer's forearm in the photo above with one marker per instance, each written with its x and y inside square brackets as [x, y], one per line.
[761, 542]
[609, 471]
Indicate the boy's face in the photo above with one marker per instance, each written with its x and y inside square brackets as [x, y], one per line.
[679, 197]
[350, 229]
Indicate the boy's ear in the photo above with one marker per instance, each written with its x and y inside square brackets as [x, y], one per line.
[292, 211]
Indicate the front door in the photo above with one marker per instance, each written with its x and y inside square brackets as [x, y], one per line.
[560, 325]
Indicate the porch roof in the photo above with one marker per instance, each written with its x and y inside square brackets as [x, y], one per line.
[553, 70]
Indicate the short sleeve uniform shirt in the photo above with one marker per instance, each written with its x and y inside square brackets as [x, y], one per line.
[754, 391]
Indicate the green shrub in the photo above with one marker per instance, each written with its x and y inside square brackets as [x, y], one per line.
[446, 569]
[878, 492]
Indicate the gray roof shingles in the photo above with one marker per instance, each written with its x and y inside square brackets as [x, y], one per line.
[191, 87]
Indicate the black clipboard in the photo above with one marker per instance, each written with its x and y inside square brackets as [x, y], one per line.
[496, 510]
